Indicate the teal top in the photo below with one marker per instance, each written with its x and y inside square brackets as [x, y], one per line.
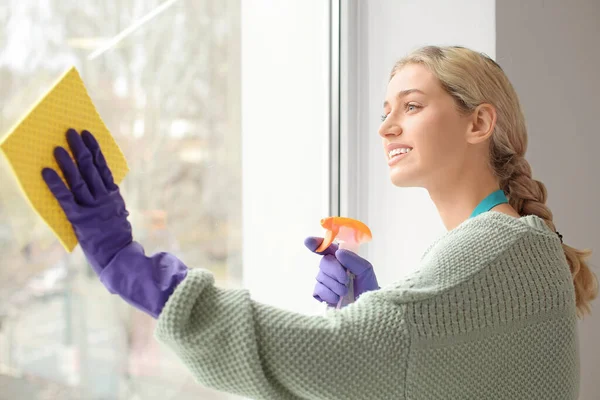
[495, 198]
[489, 314]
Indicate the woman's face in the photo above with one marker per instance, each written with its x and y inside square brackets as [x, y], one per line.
[421, 118]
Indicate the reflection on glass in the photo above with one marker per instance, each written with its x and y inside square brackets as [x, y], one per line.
[170, 94]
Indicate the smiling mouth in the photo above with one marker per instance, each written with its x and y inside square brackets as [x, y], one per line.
[398, 152]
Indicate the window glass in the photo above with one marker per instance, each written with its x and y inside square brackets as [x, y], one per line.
[225, 138]
[170, 94]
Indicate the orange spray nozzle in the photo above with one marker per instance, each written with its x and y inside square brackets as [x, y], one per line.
[350, 232]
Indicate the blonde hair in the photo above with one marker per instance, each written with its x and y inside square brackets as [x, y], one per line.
[473, 78]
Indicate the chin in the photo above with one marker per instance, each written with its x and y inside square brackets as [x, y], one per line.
[406, 173]
[404, 180]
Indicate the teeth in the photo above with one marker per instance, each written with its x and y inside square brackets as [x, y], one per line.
[402, 150]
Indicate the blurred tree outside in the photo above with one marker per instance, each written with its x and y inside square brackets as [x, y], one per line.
[170, 95]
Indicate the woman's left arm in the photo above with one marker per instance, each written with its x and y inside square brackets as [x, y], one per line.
[93, 204]
[234, 344]
[228, 341]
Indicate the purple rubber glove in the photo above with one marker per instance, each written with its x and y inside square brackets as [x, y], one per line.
[332, 277]
[98, 214]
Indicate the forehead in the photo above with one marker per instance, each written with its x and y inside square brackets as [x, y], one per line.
[412, 76]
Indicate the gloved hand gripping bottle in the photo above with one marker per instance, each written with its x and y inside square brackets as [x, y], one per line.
[350, 234]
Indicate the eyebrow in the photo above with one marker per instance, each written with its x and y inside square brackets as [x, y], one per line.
[403, 93]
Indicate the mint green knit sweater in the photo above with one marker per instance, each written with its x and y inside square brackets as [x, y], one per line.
[490, 314]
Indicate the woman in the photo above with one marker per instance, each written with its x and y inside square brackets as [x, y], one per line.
[490, 314]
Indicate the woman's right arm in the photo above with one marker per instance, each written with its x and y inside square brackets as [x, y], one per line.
[332, 277]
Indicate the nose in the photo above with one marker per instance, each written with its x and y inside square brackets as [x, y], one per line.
[390, 128]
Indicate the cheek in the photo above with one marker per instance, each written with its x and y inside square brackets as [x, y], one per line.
[439, 139]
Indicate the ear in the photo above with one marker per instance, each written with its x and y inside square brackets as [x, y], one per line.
[483, 122]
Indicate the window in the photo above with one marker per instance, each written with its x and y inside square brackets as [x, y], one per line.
[222, 110]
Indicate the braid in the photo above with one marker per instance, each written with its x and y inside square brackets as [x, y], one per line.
[528, 196]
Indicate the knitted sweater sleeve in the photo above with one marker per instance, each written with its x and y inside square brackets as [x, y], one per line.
[234, 344]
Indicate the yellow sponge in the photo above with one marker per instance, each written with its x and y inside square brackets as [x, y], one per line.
[30, 144]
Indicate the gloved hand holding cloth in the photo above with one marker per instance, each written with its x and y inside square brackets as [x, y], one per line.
[93, 204]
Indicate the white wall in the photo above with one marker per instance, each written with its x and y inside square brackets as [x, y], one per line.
[549, 49]
[404, 221]
[285, 89]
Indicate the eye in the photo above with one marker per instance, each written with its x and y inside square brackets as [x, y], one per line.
[411, 106]
[383, 117]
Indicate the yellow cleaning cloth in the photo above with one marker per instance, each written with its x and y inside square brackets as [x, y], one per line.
[29, 147]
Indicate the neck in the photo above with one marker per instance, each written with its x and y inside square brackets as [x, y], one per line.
[456, 201]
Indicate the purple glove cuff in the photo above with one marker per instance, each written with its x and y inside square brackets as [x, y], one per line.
[144, 282]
